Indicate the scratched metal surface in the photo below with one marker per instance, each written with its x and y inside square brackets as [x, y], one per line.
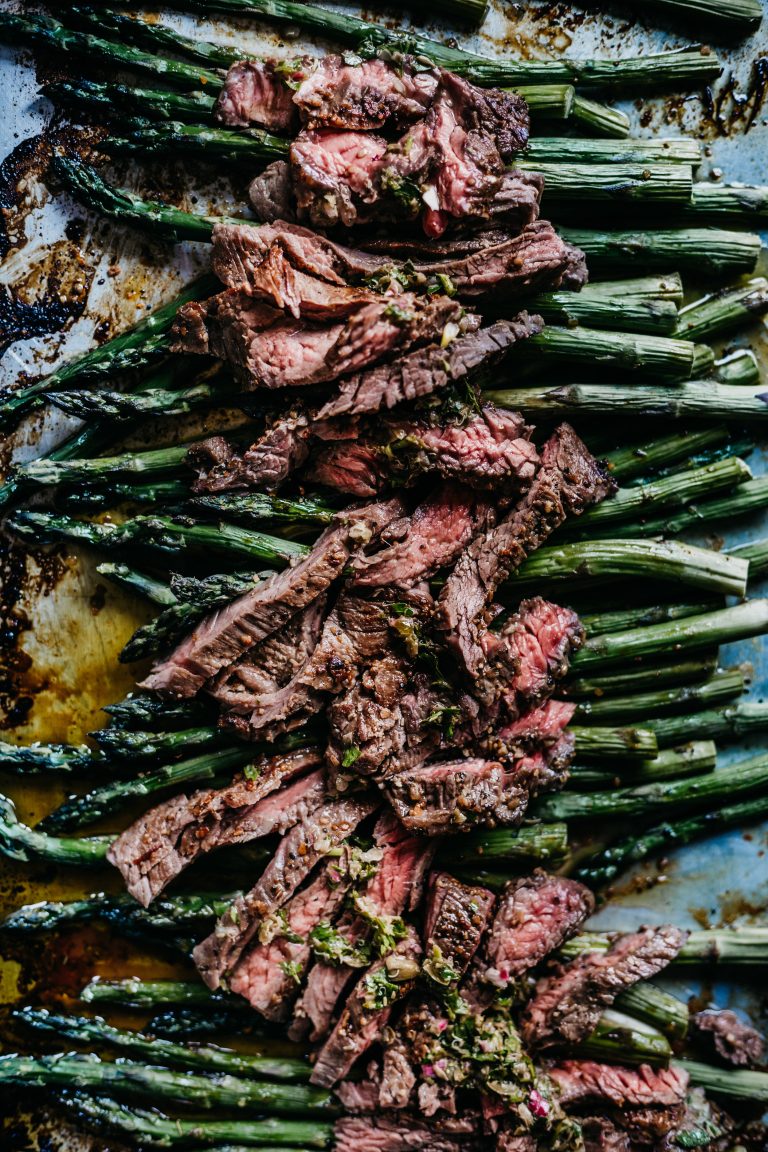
[76, 627]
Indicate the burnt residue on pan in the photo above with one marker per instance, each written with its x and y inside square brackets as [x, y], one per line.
[15, 702]
[730, 108]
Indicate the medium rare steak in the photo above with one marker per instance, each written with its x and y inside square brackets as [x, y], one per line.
[455, 920]
[535, 915]
[582, 1081]
[431, 538]
[455, 796]
[279, 284]
[261, 92]
[165, 840]
[269, 975]
[430, 369]
[566, 1007]
[280, 450]
[569, 481]
[382, 1133]
[365, 96]
[307, 843]
[733, 1040]
[529, 655]
[366, 1011]
[223, 637]
[395, 887]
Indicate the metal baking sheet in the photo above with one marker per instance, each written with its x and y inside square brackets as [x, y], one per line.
[63, 627]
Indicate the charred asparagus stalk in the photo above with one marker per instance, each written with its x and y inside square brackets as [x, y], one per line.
[721, 724]
[705, 251]
[639, 680]
[20, 842]
[724, 685]
[647, 305]
[721, 313]
[695, 400]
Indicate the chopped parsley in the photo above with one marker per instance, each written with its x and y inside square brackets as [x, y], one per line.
[380, 990]
[351, 756]
[398, 314]
[438, 968]
[294, 969]
[445, 717]
[328, 943]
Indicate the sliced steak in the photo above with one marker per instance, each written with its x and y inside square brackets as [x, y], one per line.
[227, 634]
[389, 1134]
[335, 176]
[165, 840]
[350, 466]
[395, 887]
[455, 920]
[307, 843]
[280, 450]
[366, 1011]
[602, 1135]
[261, 92]
[439, 798]
[358, 1095]
[536, 914]
[365, 96]
[566, 1007]
[432, 538]
[583, 1081]
[279, 284]
[507, 1142]
[429, 369]
[540, 727]
[569, 481]
[271, 194]
[730, 1037]
[270, 975]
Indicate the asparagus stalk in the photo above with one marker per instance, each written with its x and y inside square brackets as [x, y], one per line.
[629, 462]
[724, 685]
[155, 35]
[155, 462]
[756, 555]
[149, 994]
[614, 743]
[151, 1129]
[549, 103]
[168, 536]
[95, 1030]
[672, 764]
[736, 203]
[739, 368]
[697, 399]
[648, 559]
[634, 681]
[224, 146]
[649, 800]
[730, 1083]
[44, 32]
[125, 406]
[169, 223]
[147, 1082]
[730, 723]
[727, 946]
[34, 759]
[130, 745]
[19, 842]
[143, 344]
[721, 313]
[154, 103]
[167, 494]
[658, 356]
[732, 18]
[130, 578]
[151, 711]
[704, 251]
[94, 805]
[597, 183]
[693, 634]
[618, 620]
[683, 67]
[606, 864]
[530, 842]
[675, 490]
[199, 1023]
[591, 117]
[742, 501]
[620, 1039]
[657, 150]
[168, 914]
[646, 305]
[654, 1006]
[256, 507]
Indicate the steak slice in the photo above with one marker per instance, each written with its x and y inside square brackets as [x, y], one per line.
[457, 795]
[223, 637]
[540, 727]
[164, 841]
[430, 369]
[566, 1007]
[455, 920]
[382, 1133]
[395, 887]
[271, 194]
[366, 1011]
[307, 843]
[261, 92]
[350, 466]
[279, 284]
[569, 481]
[730, 1037]
[365, 96]
[280, 450]
[335, 176]
[535, 915]
[270, 975]
[431, 538]
[582, 1081]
